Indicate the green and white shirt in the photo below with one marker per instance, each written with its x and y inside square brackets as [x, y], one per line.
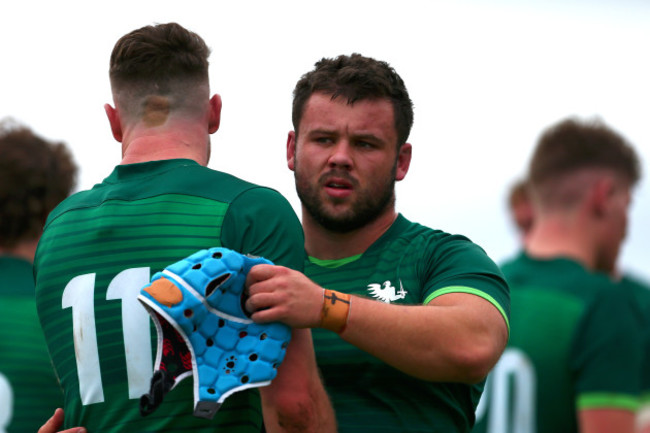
[576, 343]
[29, 390]
[101, 246]
[409, 264]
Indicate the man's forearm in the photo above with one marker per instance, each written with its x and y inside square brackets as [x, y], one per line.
[296, 400]
[457, 337]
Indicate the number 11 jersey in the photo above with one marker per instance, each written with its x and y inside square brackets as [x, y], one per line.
[101, 246]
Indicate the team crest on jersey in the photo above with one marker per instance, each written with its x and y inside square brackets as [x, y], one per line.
[386, 292]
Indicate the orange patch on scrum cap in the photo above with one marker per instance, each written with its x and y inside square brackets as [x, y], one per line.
[165, 292]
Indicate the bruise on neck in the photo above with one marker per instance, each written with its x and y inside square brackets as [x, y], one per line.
[156, 111]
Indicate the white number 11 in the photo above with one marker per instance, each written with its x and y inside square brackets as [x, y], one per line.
[6, 403]
[79, 295]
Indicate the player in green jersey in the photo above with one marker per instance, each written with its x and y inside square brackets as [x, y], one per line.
[420, 316]
[161, 204]
[641, 292]
[521, 209]
[35, 175]
[574, 358]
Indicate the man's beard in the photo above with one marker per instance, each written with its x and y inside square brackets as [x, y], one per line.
[368, 207]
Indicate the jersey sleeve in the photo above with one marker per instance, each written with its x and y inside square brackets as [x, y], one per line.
[607, 355]
[457, 265]
[641, 293]
[261, 222]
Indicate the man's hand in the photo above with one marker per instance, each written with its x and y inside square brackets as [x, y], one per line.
[55, 422]
[296, 400]
[279, 294]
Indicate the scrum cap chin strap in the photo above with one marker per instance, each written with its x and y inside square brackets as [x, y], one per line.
[204, 332]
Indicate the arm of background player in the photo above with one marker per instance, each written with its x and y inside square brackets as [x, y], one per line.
[455, 337]
[55, 422]
[643, 418]
[609, 362]
[606, 421]
[296, 400]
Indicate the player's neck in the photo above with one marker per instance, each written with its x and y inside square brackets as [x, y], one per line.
[24, 250]
[553, 238]
[162, 145]
[329, 245]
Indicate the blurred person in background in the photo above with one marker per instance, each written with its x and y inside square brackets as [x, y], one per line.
[575, 357]
[35, 175]
[641, 293]
[522, 214]
[521, 209]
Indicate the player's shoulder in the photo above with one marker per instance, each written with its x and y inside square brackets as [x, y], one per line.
[223, 180]
[557, 273]
[522, 266]
[639, 290]
[599, 290]
[164, 178]
[414, 231]
[227, 186]
[76, 200]
[414, 239]
[611, 299]
[636, 283]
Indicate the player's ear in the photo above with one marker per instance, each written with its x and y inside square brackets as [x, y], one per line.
[291, 150]
[114, 121]
[403, 161]
[600, 195]
[215, 114]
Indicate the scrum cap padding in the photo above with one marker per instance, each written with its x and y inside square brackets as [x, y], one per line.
[204, 332]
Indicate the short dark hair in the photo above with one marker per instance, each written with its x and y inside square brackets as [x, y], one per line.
[35, 176]
[158, 53]
[162, 60]
[572, 144]
[356, 77]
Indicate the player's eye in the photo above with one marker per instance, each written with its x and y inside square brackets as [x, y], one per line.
[324, 140]
[364, 144]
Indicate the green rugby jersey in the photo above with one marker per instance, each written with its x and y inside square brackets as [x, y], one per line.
[101, 246]
[29, 390]
[575, 344]
[641, 292]
[409, 264]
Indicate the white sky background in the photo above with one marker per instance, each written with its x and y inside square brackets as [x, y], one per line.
[486, 77]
